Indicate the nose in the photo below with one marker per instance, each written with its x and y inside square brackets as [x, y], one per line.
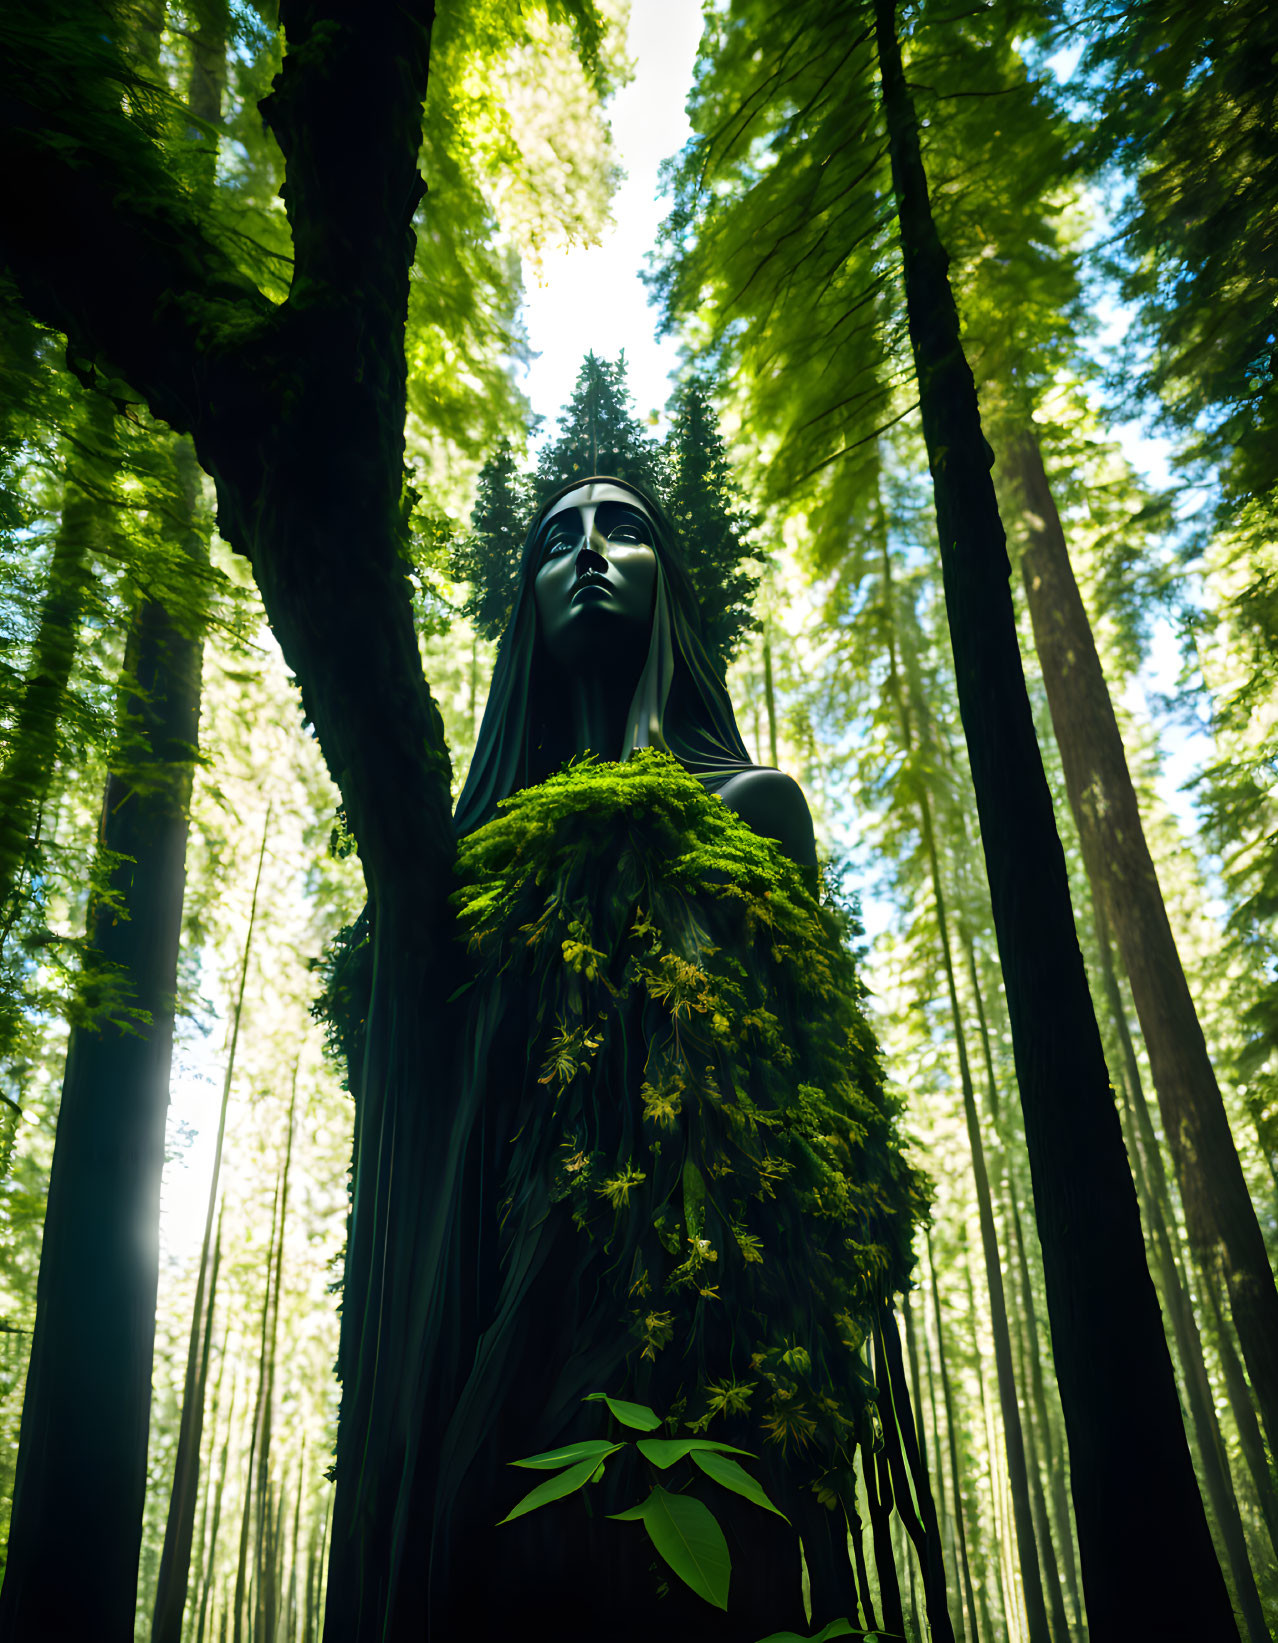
[589, 558]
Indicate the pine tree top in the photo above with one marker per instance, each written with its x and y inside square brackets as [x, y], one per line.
[688, 473]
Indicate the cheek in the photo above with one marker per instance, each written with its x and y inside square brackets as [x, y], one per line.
[547, 594]
[641, 575]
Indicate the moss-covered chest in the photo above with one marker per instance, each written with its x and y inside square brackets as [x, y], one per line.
[670, 1029]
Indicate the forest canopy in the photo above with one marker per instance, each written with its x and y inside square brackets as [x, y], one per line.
[266, 463]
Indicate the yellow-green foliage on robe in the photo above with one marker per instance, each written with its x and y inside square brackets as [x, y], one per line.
[672, 1033]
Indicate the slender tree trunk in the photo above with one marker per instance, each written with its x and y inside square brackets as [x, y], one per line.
[1213, 1461]
[290, 1622]
[878, 1489]
[1248, 1429]
[1013, 1436]
[1055, 1471]
[1202, 1411]
[24, 781]
[1035, 1389]
[266, 1549]
[1000, 1515]
[1219, 1213]
[255, 1438]
[1136, 1499]
[85, 1417]
[1237, 1390]
[769, 696]
[960, 1559]
[951, 1426]
[170, 1596]
[175, 1559]
[210, 1549]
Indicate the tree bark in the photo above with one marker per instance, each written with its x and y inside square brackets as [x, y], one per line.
[1219, 1214]
[175, 1559]
[1035, 1391]
[951, 1424]
[908, 709]
[90, 466]
[81, 1473]
[1213, 1462]
[1136, 1499]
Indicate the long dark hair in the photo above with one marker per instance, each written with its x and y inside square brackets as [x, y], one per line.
[680, 703]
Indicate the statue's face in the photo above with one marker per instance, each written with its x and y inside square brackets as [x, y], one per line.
[596, 574]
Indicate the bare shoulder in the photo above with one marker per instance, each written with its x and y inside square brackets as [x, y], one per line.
[772, 803]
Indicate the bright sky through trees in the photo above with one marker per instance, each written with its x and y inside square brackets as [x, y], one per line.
[593, 299]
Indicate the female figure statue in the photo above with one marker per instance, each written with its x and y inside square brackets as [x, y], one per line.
[603, 655]
[674, 1177]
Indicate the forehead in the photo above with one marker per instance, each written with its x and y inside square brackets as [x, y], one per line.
[590, 495]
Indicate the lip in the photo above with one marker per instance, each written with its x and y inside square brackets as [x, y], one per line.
[591, 580]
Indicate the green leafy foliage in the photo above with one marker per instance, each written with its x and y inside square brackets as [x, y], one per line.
[1186, 110]
[836, 1628]
[704, 501]
[629, 1414]
[488, 556]
[664, 1452]
[722, 1469]
[682, 1528]
[599, 433]
[760, 1132]
[686, 1535]
[570, 1454]
[556, 1488]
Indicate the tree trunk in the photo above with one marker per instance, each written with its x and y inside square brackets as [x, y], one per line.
[179, 1529]
[210, 1548]
[1178, 1307]
[1013, 1436]
[1035, 1389]
[1055, 1472]
[951, 1424]
[81, 1472]
[90, 468]
[1249, 1438]
[769, 696]
[1136, 1499]
[1219, 1213]
[175, 1560]
[268, 1528]
[999, 1513]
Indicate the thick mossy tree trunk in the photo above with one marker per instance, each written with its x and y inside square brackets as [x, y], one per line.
[1219, 1214]
[297, 411]
[81, 1469]
[1136, 1499]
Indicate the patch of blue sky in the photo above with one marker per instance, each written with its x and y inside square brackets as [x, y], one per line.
[593, 298]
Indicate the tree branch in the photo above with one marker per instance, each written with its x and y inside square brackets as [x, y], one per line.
[109, 255]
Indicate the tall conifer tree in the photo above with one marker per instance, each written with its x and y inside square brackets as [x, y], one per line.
[599, 433]
[705, 504]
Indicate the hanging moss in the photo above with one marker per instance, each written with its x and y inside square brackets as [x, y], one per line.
[700, 1090]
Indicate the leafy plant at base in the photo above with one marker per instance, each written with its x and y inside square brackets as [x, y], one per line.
[683, 1529]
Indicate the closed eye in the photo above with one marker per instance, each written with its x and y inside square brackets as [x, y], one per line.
[563, 542]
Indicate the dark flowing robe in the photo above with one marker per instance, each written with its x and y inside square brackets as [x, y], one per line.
[679, 1181]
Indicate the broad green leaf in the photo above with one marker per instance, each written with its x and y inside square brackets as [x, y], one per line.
[687, 1536]
[554, 1488]
[724, 1470]
[836, 1628]
[589, 1448]
[665, 1452]
[629, 1414]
